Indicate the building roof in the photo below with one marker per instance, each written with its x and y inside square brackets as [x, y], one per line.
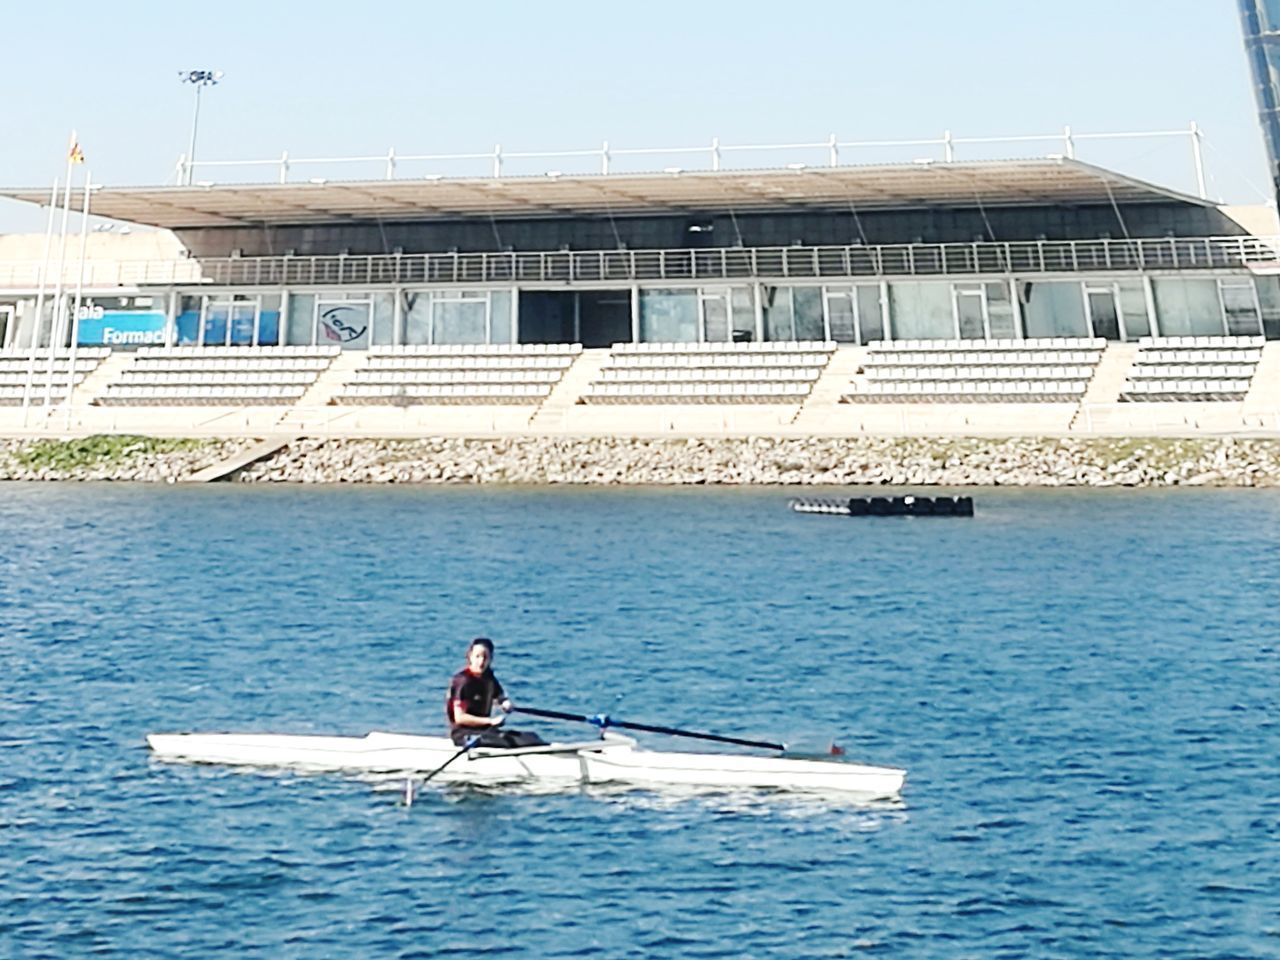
[936, 184]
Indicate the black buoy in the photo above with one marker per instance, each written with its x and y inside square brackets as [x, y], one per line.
[909, 505]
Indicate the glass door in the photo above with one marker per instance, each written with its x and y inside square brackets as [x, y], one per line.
[715, 315]
[971, 311]
[1104, 312]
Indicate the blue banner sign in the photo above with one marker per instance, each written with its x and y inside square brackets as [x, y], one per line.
[121, 328]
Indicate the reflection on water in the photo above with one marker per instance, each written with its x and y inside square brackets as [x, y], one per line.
[1080, 684]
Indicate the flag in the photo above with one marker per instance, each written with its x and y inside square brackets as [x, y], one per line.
[74, 153]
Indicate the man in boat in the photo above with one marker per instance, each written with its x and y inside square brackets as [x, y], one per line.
[473, 692]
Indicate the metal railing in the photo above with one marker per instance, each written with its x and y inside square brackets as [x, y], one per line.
[670, 266]
[829, 152]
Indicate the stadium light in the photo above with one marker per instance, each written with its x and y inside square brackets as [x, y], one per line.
[199, 79]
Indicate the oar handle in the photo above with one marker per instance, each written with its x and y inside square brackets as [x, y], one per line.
[602, 721]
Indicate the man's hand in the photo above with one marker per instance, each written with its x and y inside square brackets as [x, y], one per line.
[507, 706]
[496, 721]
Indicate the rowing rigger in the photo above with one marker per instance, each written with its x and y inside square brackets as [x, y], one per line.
[613, 758]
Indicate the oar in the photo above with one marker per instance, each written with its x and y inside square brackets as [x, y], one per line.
[408, 786]
[603, 721]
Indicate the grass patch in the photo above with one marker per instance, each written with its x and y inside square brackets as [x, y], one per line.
[100, 449]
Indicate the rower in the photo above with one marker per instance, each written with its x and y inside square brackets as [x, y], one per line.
[473, 691]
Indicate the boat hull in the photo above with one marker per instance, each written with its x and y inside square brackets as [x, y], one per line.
[613, 759]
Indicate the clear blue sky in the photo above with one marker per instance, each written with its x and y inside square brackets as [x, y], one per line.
[340, 79]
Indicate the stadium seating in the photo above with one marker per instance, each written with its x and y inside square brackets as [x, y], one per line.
[462, 374]
[765, 372]
[218, 376]
[1038, 370]
[17, 371]
[1182, 369]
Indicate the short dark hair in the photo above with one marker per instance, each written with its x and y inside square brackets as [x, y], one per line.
[481, 642]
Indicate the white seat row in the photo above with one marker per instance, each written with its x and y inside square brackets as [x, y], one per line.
[179, 364]
[985, 358]
[134, 378]
[909, 374]
[14, 365]
[1030, 343]
[1193, 371]
[1153, 355]
[696, 393]
[752, 361]
[1234, 343]
[246, 351]
[477, 349]
[210, 396]
[12, 396]
[62, 353]
[766, 346]
[548, 362]
[396, 394]
[1185, 390]
[39, 377]
[726, 375]
[455, 376]
[980, 391]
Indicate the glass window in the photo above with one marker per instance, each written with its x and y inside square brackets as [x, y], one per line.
[300, 329]
[840, 315]
[1052, 309]
[417, 317]
[870, 314]
[971, 311]
[1269, 299]
[1133, 304]
[500, 307]
[213, 328]
[743, 302]
[459, 321]
[921, 311]
[1000, 322]
[1187, 307]
[668, 316]
[778, 323]
[269, 320]
[715, 316]
[807, 304]
[1241, 307]
[187, 324]
[384, 319]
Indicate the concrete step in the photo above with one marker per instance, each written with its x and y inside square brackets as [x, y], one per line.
[1104, 388]
[823, 403]
[553, 411]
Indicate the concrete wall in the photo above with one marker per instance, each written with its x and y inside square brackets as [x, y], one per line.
[929, 225]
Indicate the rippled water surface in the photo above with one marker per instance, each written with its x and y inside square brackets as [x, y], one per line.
[1083, 687]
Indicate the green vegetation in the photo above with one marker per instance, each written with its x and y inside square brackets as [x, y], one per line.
[64, 456]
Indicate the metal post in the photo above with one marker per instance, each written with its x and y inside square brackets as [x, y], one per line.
[284, 167]
[715, 153]
[1069, 142]
[497, 160]
[1197, 152]
[604, 158]
[833, 147]
[199, 79]
[391, 163]
[75, 312]
[948, 146]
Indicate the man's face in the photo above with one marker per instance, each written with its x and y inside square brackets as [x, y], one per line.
[478, 659]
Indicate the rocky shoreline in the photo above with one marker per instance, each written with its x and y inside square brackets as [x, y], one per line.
[1147, 462]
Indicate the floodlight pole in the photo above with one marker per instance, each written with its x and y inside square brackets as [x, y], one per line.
[199, 79]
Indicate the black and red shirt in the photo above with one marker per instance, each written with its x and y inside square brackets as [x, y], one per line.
[477, 694]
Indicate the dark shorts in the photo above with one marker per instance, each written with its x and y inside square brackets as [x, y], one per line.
[498, 739]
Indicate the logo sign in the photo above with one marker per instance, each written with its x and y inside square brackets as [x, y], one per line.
[120, 328]
[345, 324]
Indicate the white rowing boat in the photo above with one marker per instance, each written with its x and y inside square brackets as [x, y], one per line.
[611, 759]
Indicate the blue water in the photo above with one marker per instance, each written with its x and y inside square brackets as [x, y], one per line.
[1082, 686]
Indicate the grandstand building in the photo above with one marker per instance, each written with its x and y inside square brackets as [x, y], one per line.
[826, 295]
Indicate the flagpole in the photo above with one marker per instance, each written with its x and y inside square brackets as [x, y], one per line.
[39, 314]
[59, 308]
[75, 313]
